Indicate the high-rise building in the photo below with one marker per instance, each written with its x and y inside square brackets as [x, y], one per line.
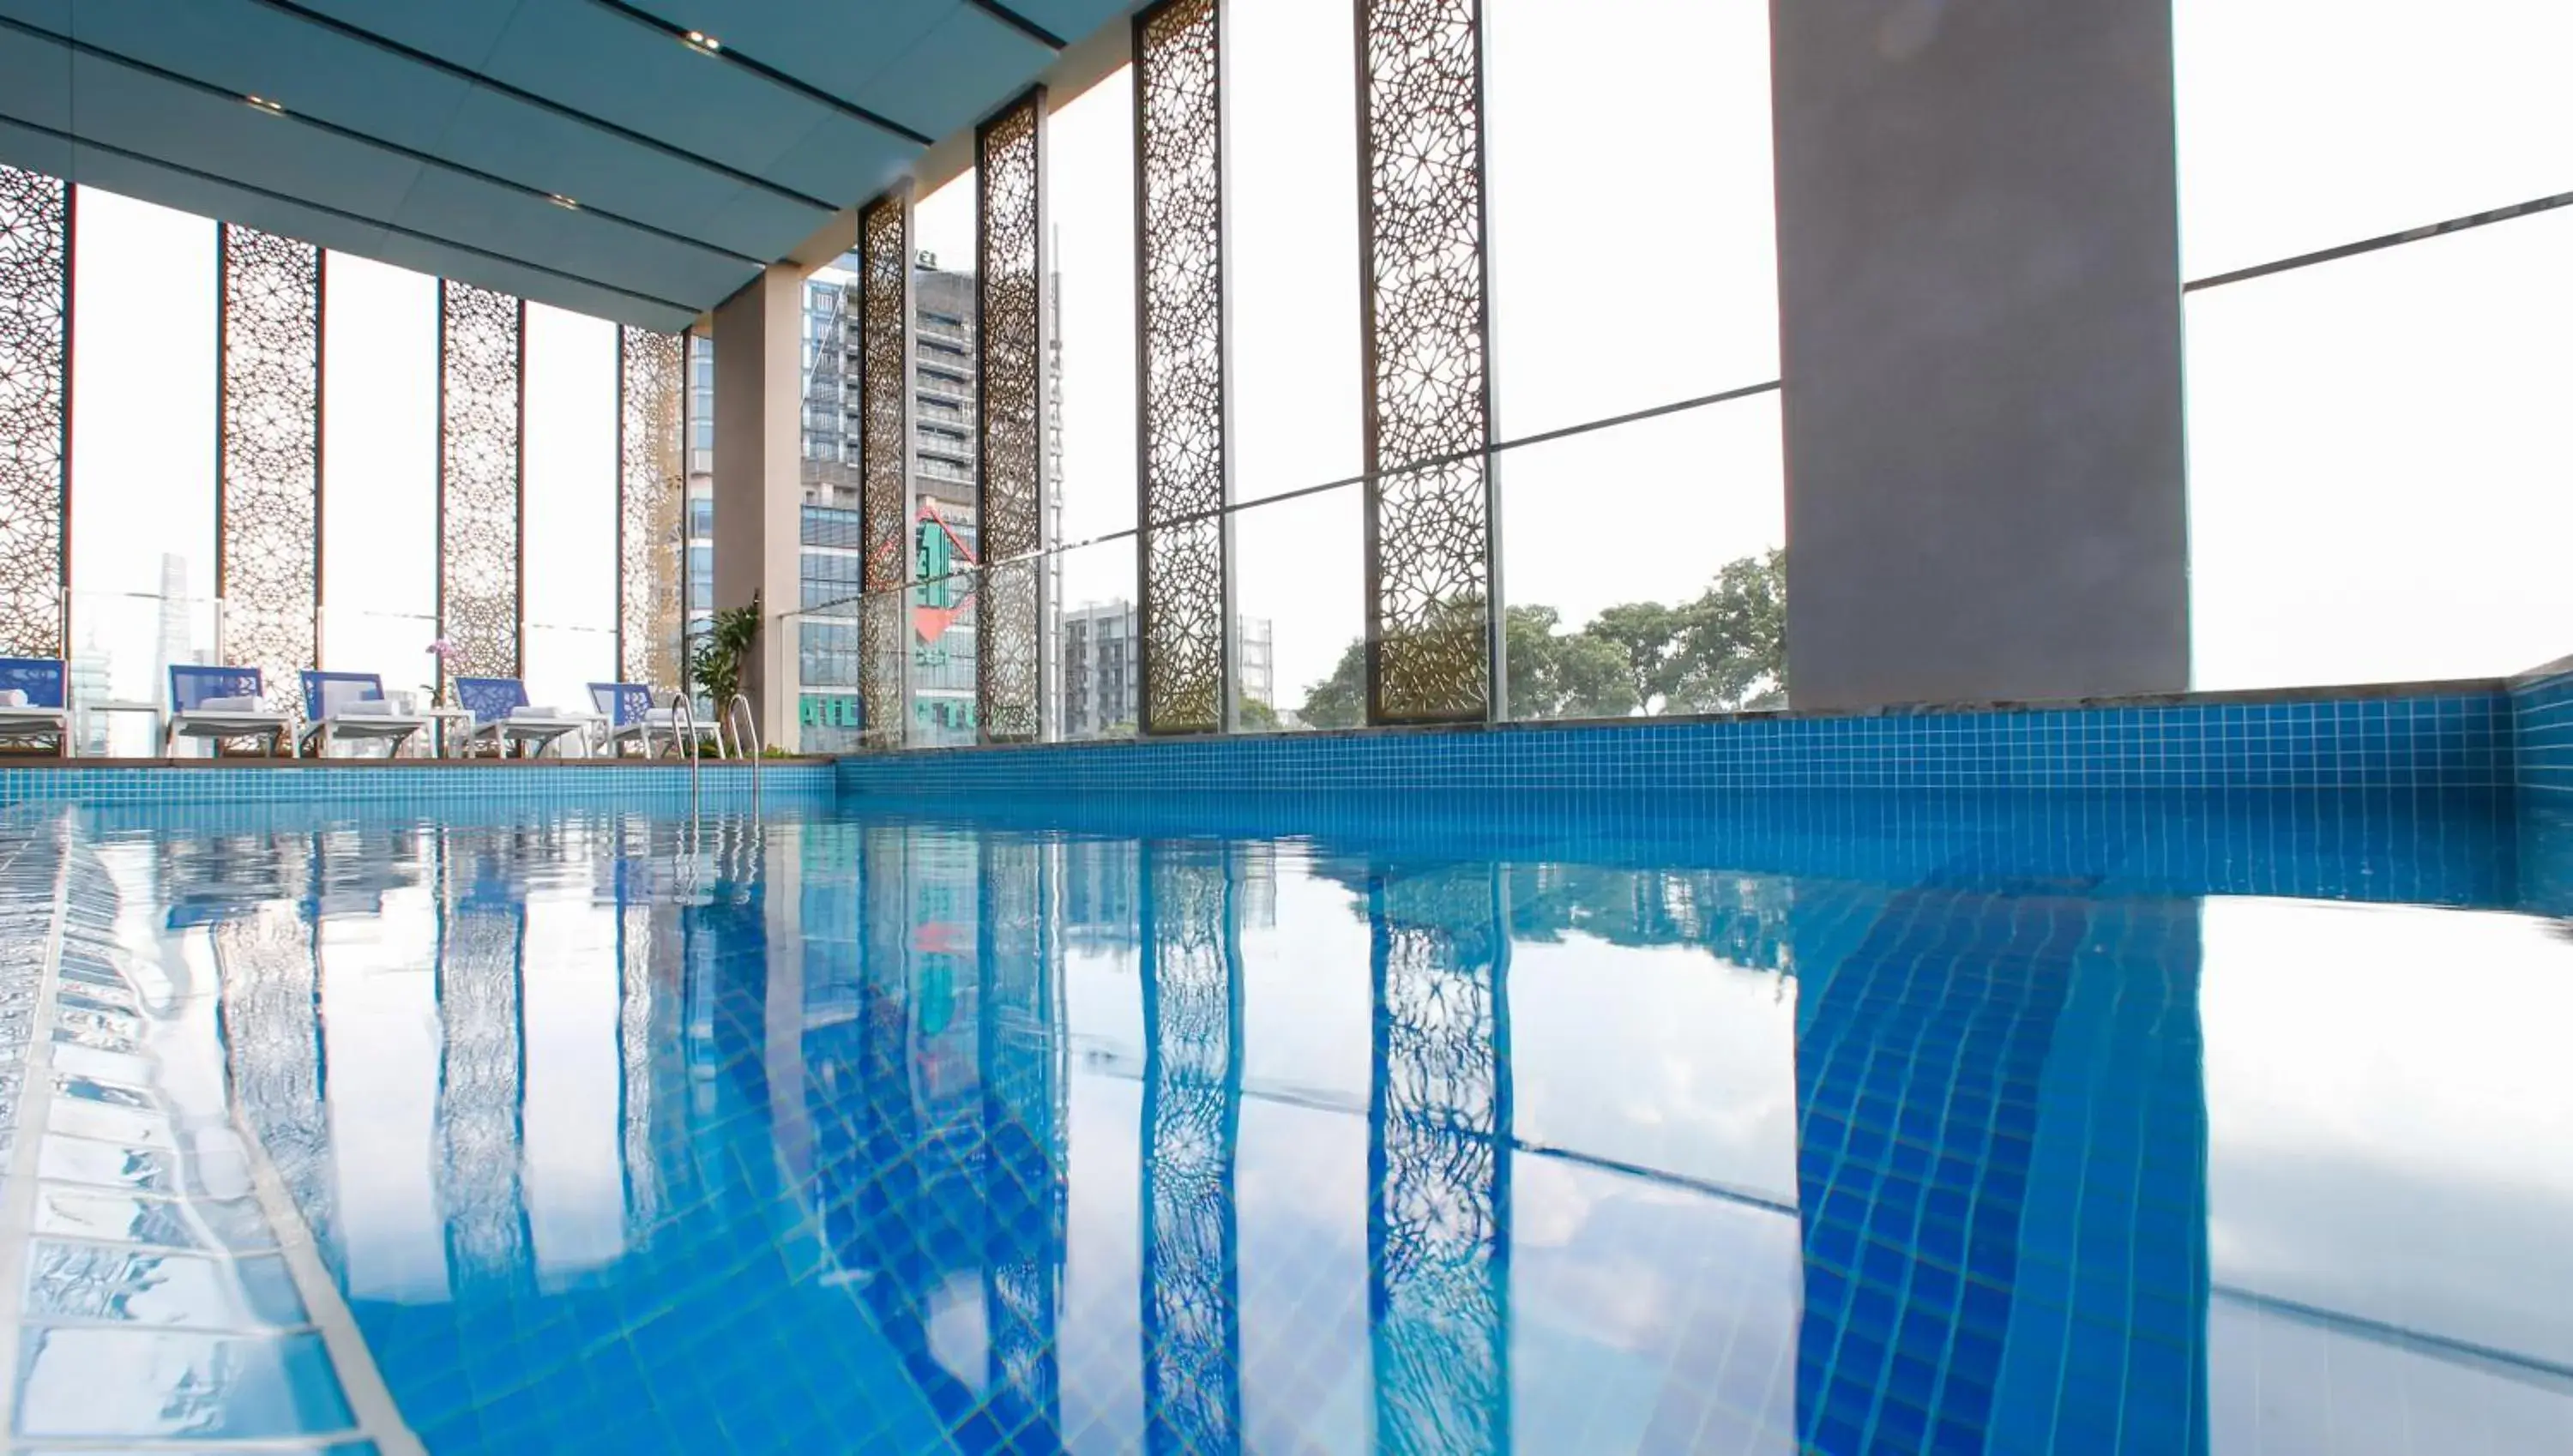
[176, 646]
[942, 493]
[1101, 664]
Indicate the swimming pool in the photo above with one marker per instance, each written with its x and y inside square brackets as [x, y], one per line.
[1863, 1122]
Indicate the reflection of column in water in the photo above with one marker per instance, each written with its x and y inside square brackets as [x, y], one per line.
[272, 1035]
[636, 945]
[1023, 1185]
[481, 935]
[1973, 1081]
[1438, 1173]
[1191, 1315]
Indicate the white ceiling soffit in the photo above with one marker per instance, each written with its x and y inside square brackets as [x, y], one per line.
[634, 158]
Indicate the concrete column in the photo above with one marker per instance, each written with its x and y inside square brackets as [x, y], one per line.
[759, 402]
[1978, 277]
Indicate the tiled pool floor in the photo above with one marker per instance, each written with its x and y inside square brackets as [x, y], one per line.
[581, 1130]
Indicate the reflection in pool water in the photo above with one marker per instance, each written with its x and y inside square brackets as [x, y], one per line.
[881, 1135]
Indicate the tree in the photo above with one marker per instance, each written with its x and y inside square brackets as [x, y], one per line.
[1731, 650]
[1339, 701]
[1257, 717]
[1645, 631]
[1564, 675]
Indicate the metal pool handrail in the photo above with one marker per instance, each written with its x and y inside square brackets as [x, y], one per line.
[749, 720]
[684, 714]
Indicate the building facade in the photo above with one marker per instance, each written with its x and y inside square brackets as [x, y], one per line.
[942, 487]
[1102, 667]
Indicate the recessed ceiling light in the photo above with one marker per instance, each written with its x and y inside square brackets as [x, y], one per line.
[702, 39]
[561, 201]
[266, 105]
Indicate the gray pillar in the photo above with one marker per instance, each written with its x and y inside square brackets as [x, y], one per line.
[759, 403]
[1979, 281]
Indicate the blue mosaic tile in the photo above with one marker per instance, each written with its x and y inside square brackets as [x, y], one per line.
[725, 786]
[2447, 741]
[2541, 710]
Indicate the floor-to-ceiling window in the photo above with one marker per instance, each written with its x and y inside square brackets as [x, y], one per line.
[1093, 589]
[380, 471]
[1639, 561]
[2378, 489]
[570, 576]
[142, 456]
[1291, 255]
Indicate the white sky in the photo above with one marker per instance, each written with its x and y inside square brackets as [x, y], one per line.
[2328, 409]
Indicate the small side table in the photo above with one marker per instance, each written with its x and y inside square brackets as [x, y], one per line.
[445, 723]
[80, 720]
[593, 733]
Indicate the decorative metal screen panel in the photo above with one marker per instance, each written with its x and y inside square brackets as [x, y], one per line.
[884, 468]
[1438, 1121]
[1018, 978]
[650, 494]
[35, 418]
[1430, 540]
[479, 391]
[269, 504]
[1179, 397]
[272, 1037]
[1009, 225]
[1192, 1126]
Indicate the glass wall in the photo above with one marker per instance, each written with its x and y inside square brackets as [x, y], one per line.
[2307, 124]
[569, 575]
[2376, 487]
[145, 383]
[1633, 230]
[1299, 584]
[143, 458]
[1644, 566]
[1292, 252]
[380, 470]
[1640, 563]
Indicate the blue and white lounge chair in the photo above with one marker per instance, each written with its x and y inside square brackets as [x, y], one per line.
[503, 720]
[631, 718]
[222, 705]
[32, 709]
[352, 705]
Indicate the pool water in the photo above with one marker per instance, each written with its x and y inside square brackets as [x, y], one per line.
[1947, 1128]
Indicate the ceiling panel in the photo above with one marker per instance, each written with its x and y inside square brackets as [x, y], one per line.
[842, 159]
[35, 81]
[640, 78]
[496, 133]
[428, 133]
[462, 31]
[233, 139]
[444, 204]
[1073, 19]
[53, 15]
[959, 73]
[249, 49]
[32, 150]
[836, 45]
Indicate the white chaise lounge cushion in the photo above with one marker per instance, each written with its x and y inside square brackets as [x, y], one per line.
[13, 697]
[533, 713]
[227, 705]
[368, 708]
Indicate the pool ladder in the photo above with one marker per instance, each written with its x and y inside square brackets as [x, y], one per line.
[745, 733]
[750, 724]
[684, 715]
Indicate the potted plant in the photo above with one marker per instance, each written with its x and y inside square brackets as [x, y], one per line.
[443, 658]
[715, 662]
